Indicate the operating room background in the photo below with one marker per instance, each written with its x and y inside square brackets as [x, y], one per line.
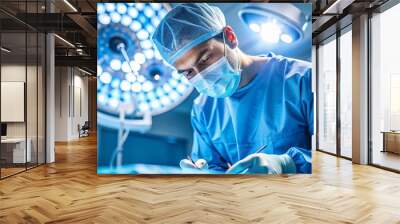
[170, 137]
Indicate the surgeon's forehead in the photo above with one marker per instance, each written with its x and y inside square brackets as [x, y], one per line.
[189, 59]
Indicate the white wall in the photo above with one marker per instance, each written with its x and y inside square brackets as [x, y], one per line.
[71, 93]
[80, 100]
[61, 103]
[12, 73]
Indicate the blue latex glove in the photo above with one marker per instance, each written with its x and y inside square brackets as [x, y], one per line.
[261, 163]
[295, 160]
[188, 164]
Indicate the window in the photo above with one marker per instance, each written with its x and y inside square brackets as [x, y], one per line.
[327, 96]
[346, 93]
[385, 89]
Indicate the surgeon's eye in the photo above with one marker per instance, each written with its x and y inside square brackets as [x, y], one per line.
[204, 59]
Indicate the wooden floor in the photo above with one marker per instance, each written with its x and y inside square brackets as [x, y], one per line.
[69, 191]
[387, 159]
[10, 171]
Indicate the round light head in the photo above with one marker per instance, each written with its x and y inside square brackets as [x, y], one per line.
[275, 23]
[144, 80]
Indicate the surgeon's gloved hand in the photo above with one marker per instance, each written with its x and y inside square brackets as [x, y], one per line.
[301, 158]
[261, 163]
[188, 164]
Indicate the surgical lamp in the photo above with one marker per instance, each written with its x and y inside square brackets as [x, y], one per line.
[275, 22]
[134, 83]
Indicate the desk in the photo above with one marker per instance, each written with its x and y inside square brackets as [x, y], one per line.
[17, 150]
[391, 141]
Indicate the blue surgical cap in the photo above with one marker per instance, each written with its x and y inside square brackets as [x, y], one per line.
[186, 26]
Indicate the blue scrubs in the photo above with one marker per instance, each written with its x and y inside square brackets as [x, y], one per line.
[275, 108]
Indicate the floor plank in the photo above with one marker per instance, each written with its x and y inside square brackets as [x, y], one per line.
[70, 191]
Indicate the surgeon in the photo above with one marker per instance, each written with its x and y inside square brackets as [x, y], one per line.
[246, 102]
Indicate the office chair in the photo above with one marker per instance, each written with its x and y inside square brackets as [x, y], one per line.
[84, 130]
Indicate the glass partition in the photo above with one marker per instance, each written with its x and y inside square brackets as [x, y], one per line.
[13, 105]
[327, 96]
[22, 77]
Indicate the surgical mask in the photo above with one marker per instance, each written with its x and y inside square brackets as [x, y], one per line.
[219, 79]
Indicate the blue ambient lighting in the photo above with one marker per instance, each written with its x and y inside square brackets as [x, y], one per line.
[130, 70]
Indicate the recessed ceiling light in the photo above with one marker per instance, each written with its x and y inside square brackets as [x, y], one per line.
[64, 40]
[5, 50]
[70, 5]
